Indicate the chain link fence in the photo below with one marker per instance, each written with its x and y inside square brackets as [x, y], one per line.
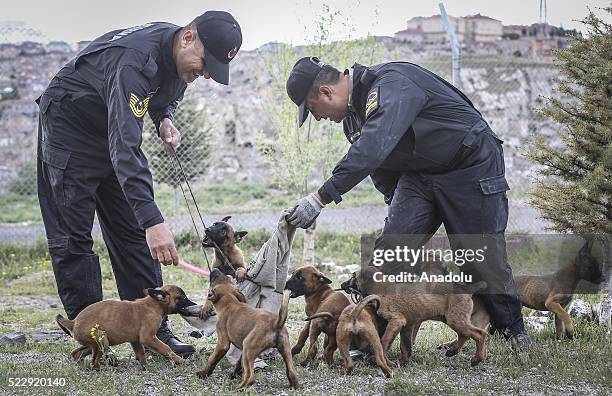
[221, 125]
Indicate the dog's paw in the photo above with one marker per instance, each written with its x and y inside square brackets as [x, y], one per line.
[202, 374]
[569, 334]
[207, 311]
[240, 274]
[475, 361]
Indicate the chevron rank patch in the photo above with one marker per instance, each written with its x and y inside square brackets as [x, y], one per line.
[138, 106]
[372, 102]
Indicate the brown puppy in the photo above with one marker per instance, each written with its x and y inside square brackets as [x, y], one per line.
[252, 330]
[403, 311]
[555, 291]
[111, 322]
[223, 234]
[320, 297]
[359, 326]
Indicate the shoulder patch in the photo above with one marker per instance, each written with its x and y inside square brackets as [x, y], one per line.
[372, 102]
[138, 106]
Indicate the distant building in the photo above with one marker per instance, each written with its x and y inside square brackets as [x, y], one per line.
[471, 29]
[411, 35]
[430, 30]
[542, 37]
[482, 29]
[515, 32]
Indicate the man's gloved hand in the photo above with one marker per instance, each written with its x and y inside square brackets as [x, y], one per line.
[306, 211]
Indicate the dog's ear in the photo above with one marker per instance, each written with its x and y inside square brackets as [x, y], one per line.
[226, 218]
[239, 235]
[159, 295]
[325, 279]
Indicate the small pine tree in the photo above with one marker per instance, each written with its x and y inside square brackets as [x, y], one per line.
[574, 190]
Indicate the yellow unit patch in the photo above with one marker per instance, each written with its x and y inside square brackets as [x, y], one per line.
[372, 102]
[139, 107]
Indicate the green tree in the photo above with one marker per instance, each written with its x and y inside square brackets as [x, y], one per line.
[574, 190]
[193, 152]
[301, 157]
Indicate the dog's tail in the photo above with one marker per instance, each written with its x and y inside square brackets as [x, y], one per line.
[284, 311]
[65, 324]
[320, 315]
[373, 298]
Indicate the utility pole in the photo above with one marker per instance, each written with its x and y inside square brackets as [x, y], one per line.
[456, 50]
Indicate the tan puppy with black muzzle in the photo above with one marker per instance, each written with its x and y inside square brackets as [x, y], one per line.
[226, 238]
[252, 330]
[555, 291]
[112, 322]
[320, 297]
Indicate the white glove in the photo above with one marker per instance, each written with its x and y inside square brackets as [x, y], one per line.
[305, 211]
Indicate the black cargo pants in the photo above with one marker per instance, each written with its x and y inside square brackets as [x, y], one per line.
[76, 180]
[470, 200]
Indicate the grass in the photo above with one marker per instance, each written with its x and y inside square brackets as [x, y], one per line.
[215, 198]
[580, 366]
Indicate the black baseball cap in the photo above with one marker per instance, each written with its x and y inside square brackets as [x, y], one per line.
[300, 81]
[221, 35]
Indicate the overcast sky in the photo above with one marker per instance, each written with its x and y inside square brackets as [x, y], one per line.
[263, 21]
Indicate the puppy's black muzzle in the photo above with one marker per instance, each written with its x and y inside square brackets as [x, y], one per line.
[296, 286]
[181, 307]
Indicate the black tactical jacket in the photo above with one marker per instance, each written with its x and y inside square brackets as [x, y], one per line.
[111, 84]
[404, 119]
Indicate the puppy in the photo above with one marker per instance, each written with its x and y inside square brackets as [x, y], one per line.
[359, 326]
[320, 297]
[111, 322]
[252, 330]
[223, 234]
[226, 239]
[555, 291]
[403, 311]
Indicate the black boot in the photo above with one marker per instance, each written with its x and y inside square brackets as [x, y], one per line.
[178, 347]
[520, 341]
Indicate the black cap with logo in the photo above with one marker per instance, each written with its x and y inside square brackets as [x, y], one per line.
[221, 35]
[300, 81]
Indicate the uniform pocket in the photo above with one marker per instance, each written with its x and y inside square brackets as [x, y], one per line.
[56, 161]
[494, 208]
[494, 185]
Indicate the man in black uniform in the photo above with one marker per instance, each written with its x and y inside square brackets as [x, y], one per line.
[431, 154]
[89, 156]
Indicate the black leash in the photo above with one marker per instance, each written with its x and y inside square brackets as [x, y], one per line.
[356, 295]
[201, 240]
